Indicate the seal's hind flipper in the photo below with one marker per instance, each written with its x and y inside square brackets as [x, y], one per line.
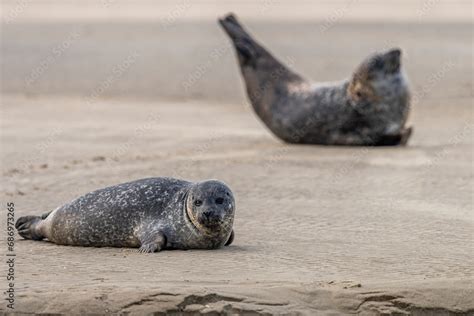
[233, 27]
[27, 227]
[248, 50]
[264, 75]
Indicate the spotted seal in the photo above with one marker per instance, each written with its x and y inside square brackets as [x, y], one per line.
[369, 108]
[150, 214]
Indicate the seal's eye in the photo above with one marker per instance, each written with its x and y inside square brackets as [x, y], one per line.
[219, 200]
[359, 94]
[198, 202]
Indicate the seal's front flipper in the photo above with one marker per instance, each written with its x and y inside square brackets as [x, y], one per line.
[395, 139]
[27, 227]
[231, 238]
[152, 242]
[406, 133]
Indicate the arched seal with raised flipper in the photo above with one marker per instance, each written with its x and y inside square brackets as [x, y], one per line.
[369, 108]
[150, 214]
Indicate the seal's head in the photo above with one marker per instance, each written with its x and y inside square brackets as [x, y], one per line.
[378, 79]
[210, 206]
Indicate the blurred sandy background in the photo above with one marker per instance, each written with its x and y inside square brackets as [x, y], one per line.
[94, 93]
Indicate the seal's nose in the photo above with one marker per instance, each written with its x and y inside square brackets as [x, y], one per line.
[396, 52]
[392, 58]
[211, 218]
[211, 215]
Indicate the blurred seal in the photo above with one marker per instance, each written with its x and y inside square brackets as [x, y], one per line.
[369, 108]
[150, 214]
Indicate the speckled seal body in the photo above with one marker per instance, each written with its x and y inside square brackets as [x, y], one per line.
[369, 108]
[151, 214]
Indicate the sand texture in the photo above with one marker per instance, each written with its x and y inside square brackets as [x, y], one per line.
[319, 230]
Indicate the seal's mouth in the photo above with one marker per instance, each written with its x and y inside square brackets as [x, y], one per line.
[211, 220]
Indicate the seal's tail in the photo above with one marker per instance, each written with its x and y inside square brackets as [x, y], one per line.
[27, 226]
[248, 50]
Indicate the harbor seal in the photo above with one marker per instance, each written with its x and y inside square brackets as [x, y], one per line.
[150, 214]
[369, 108]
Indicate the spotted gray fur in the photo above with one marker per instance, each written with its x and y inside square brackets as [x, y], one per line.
[369, 108]
[152, 214]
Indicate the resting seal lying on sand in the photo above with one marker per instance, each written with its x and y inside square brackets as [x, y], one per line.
[370, 108]
[152, 214]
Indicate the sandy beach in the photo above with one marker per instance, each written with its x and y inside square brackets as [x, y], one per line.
[127, 92]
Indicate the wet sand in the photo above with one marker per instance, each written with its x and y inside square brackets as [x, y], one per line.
[325, 230]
